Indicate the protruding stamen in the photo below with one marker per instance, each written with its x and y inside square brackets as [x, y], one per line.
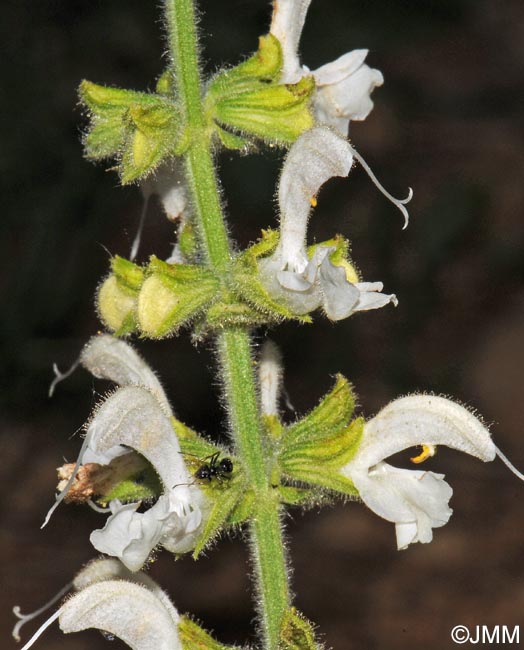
[41, 629]
[399, 203]
[97, 508]
[61, 496]
[24, 618]
[60, 376]
[136, 241]
[509, 465]
[427, 452]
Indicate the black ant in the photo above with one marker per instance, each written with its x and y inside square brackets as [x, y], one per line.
[211, 469]
[214, 468]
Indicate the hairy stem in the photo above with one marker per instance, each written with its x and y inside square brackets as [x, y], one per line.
[233, 343]
[201, 173]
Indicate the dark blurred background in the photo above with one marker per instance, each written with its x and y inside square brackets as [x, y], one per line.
[448, 122]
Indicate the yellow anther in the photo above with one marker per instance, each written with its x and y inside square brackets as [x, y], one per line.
[427, 452]
[313, 201]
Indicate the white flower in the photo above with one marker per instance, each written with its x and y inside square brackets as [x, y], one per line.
[168, 183]
[110, 598]
[127, 610]
[107, 357]
[416, 501]
[270, 378]
[289, 275]
[137, 417]
[343, 86]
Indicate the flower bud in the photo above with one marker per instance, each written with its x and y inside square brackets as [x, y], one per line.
[172, 295]
[116, 305]
[157, 305]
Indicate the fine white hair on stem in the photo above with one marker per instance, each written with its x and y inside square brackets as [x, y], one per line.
[399, 203]
[270, 377]
[138, 237]
[25, 618]
[60, 376]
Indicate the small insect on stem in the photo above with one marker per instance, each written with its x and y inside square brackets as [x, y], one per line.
[214, 468]
[211, 467]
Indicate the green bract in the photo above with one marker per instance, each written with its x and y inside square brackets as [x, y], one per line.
[250, 101]
[297, 632]
[313, 449]
[193, 636]
[138, 129]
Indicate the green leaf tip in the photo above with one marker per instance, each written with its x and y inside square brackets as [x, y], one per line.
[297, 632]
[332, 414]
[193, 637]
[315, 448]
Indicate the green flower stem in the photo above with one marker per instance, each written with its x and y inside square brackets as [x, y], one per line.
[233, 343]
[201, 173]
[266, 529]
[267, 548]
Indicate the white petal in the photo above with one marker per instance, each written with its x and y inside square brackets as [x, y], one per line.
[182, 528]
[286, 25]
[132, 417]
[339, 297]
[338, 70]
[294, 281]
[130, 535]
[293, 289]
[270, 378]
[168, 183]
[423, 419]
[371, 298]
[99, 570]
[107, 357]
[317, 155]
[414, 500]
[347, 96]
[102, 569]
[129, 611]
